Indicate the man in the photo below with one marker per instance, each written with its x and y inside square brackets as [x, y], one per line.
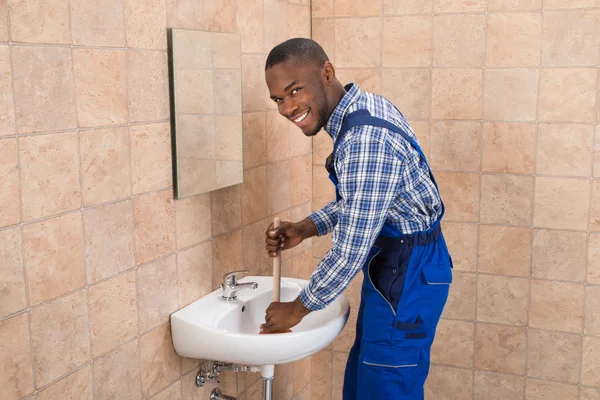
[385, 220]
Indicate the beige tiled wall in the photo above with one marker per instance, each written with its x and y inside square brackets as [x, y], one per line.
[504, 97]
[95, 253]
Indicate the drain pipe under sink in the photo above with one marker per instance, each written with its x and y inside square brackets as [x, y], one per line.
[217, 395]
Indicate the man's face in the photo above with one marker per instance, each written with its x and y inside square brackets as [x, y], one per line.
[300, 94]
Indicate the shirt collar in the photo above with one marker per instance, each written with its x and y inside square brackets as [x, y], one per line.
[334, 124]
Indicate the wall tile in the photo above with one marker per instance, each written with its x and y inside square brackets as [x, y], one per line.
[492, 386]
[339, 364]
[255, 257]
[561, 203]
[43, 88]
[511, 94]
[358, 42]
[184, 14]
[462, 299]
[226, 51]
[444, 6]
[504, 250]
[300, 179]
[462, 244]
[16, 379]
[174, 391]
[251, 25]
[77, 386]
[514, 39]
[590, 394]
[321, 8]
[576, 143]
[227, 255]
[592, 318]
[590, 375]
[159, 362]
[544, 390]
[9, 183]
[39, 21]
[253, 82]
[567, 95]
[193, 219]
[154, 226]
[593, 268]
[189, 391]
[506, 199]
[7, 113]
[393, 7]
[105, 165]
[409, 90]
[275, 23]
[226, 209]
[108, 240]
[407, 41]
[513, 5]
[595, 209]
[3, 23]
[12, 279]
[554, 356]
[369, 80]
[299, 24]
[321, 375]
[322, 147]
[148, 85]
[113, 313]
[458, 40]
[597, 146]
[220, 16]
[116, 374]
[101, 87]
[564, 4]
[227, 98]
[449, 383]
[151, 157]
[460, 193]
[278, 182]
[508, 147]
[559, 255]
[49, 174]
[453, 344]
[301, 373]
[321, 246]
[254, 195]
[98, 24]
[60, 337]
[501, 348]
[356, 8]
[195, 269]
[455, 146]
[556, 306]
[457, 93]
[54, 257]
[146, 24]
[421, 129]
[502, 300]
[300, 144]
[283, 388]
[157, 292]
[571, 38]
[323, 32]
[278, 136]
[254, 139]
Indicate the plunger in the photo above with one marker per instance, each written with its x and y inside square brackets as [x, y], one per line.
[276, 276]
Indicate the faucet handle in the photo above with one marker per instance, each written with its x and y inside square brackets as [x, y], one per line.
[234, 275]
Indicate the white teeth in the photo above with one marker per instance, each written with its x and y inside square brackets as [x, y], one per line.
[300, 118]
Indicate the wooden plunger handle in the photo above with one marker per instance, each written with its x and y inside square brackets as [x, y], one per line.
[276, 267]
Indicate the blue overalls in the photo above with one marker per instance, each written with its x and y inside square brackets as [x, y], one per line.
[405, 288]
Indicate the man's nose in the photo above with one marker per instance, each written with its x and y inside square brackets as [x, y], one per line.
[288, 107]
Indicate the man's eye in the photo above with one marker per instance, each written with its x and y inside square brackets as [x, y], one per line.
[296, 90]
[277, 100]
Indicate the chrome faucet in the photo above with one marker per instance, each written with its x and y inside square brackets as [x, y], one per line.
[231, 286]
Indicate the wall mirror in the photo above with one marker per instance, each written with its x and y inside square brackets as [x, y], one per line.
[206, 110]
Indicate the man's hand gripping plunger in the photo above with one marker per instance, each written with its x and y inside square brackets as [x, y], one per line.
[281, 316]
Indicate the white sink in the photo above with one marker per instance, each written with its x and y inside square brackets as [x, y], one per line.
[212, 328]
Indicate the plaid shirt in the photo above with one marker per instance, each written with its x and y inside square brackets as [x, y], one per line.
[381, 178]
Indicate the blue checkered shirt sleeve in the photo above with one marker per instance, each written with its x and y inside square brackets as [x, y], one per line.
[369, 175]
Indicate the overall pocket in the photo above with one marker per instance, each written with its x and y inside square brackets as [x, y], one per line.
[434, 292]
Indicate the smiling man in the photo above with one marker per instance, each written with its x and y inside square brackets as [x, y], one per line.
[385, 220]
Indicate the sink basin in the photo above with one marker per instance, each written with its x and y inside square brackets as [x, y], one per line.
[212, 328]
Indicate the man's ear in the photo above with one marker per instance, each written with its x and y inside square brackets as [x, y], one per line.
[328, 72]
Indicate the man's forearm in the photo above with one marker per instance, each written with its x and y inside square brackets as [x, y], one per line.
[308, 228]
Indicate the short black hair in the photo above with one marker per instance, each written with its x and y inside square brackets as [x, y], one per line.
[305, 50]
